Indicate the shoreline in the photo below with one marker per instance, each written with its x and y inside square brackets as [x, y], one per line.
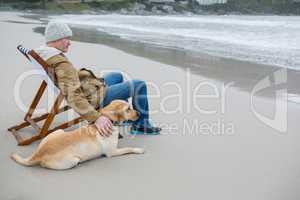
[91, 34]
[213, 67]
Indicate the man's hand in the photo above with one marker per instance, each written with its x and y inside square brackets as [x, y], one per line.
[104, 126]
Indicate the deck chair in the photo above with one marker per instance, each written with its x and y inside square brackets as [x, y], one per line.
[29, 120]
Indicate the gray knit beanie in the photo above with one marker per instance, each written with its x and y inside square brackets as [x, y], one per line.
[57, 30]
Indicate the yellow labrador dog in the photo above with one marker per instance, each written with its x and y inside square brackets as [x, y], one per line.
[63, 150]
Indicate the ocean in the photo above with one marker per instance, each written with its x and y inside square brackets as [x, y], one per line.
[270, 40]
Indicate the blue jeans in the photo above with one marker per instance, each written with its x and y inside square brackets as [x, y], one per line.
[120, 89]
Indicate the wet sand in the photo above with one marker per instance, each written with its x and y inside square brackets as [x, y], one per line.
[213, 145]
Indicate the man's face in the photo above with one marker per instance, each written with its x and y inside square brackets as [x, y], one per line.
[62, 44]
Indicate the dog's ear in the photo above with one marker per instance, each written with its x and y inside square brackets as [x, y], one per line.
[112, 116]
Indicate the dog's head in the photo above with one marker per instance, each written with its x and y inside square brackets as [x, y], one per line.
[119, 110]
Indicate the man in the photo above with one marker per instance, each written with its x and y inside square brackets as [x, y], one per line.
[85, 92]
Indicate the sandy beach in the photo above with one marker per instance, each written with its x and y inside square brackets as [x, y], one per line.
[216, 143]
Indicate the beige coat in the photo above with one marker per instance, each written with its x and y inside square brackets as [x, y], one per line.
[83, 90]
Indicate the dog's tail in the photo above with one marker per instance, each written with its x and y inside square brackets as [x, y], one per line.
[24, 161]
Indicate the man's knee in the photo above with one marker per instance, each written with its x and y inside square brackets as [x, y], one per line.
[117, 76]
[138, 85]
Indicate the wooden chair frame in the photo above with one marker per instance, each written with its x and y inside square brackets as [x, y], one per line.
[29, 120]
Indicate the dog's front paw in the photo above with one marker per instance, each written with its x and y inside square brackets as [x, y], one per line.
[139, 150]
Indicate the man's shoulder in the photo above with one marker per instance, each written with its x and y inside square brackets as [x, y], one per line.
[57, 59]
